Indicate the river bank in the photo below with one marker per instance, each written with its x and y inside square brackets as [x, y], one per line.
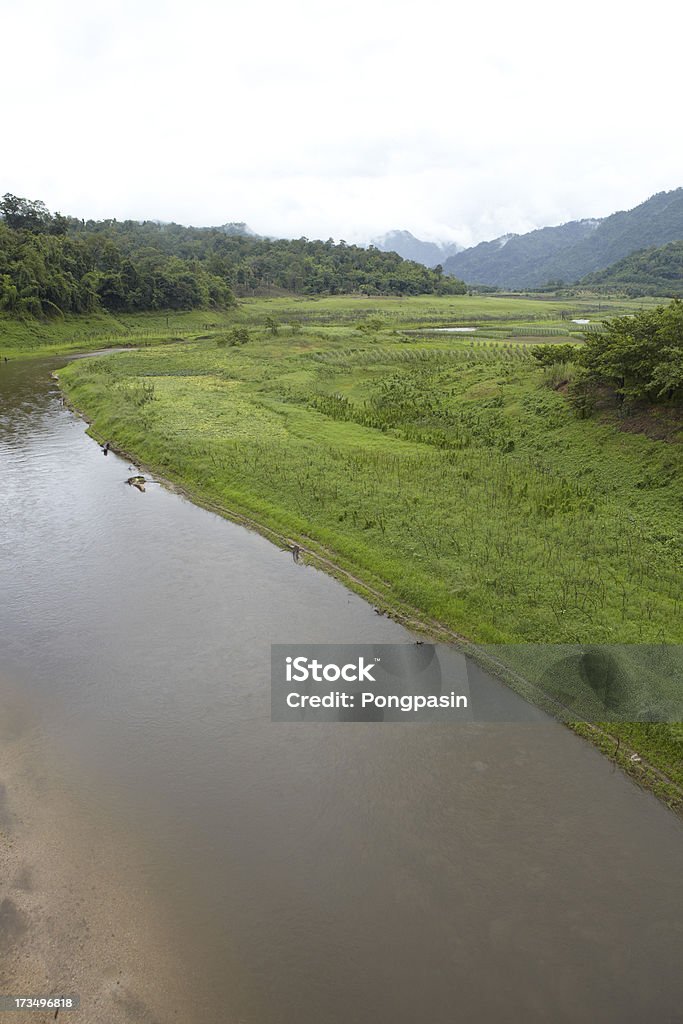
[72, 334]
[612, 739]
[241, 433]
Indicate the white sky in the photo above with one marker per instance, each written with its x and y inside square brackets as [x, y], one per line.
[456, 121]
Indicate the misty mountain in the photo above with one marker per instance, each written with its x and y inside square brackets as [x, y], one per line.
[415, 249]
[571, 251]
[519, 261]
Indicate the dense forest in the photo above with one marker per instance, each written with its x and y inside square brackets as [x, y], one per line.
[570, 251]
[52, 264]
[654, 271]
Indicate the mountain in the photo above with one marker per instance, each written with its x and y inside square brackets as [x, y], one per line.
[654, 271]
[518, 261]
[412, 248]
[570, 251]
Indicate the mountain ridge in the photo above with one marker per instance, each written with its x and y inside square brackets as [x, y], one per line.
[569, 252]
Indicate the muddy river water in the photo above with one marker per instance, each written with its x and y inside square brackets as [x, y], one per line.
[306, 873]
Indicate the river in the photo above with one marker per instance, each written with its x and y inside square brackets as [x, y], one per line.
[303, 873]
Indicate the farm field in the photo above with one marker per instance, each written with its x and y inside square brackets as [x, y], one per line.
[499, 314]
[447, 473]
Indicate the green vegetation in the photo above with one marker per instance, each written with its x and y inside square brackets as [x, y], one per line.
[74, 333]
[640, 357]
[449, 470]
[654, 271]
[532, 319]
[51, 266]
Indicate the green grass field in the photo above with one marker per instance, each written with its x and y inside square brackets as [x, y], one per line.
[32, 338]
[446, 472]
[500, 314]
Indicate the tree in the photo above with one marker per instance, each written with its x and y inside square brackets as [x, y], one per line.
[24, 214]
[59, 264]
[239, 336]
[640, 357]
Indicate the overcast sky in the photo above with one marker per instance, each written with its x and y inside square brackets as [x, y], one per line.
[341, 119]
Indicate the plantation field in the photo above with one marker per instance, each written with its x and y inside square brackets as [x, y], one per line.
[500, 315]
[448, 473]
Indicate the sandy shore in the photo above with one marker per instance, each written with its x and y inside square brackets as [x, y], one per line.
[76, 917]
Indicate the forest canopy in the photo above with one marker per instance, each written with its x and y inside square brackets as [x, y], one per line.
[654, 271]
[51, 264]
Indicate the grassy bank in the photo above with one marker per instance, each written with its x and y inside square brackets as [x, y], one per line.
[447, 472]
[20, 339]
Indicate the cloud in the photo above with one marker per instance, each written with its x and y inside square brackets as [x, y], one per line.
[340, 119]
